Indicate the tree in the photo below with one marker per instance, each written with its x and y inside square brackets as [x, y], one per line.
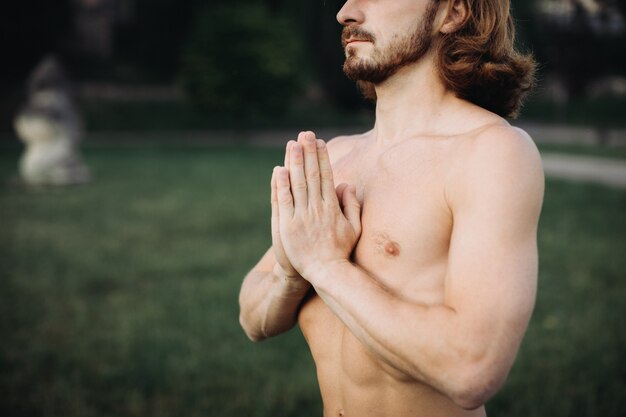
[570, 47]
[241, 61]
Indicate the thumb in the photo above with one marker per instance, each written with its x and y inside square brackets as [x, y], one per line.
[341, 188]
[352, 208]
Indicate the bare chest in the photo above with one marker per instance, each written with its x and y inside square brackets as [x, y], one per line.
[406, 228]
[406, 222]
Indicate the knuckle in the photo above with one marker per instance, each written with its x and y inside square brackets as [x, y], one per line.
[285, 197]
[313, 173]
[317, 211]
[326, 172]
[299, 185]
[286, 200]
[296, 158]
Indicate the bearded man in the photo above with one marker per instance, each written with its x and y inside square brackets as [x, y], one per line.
[414, 279]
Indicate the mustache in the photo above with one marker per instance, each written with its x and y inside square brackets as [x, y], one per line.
[350, 32]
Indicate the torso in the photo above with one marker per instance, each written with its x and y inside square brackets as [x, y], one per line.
[404, 244]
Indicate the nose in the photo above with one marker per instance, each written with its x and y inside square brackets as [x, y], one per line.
[350, 13]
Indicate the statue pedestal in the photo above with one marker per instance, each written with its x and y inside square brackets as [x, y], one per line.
[51, 127]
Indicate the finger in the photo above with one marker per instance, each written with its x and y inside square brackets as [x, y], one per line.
[352, 208]
[311, 167]
[296, 177]
[287, 151]
[274, 199]
[283, 194]
[339, 191]
[326, 172]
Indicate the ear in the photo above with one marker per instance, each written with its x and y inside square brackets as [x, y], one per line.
[457, 14]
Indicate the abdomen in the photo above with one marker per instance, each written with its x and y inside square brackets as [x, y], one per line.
[354, 383]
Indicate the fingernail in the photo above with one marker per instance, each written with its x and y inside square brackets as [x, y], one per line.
[296, 147]
[308, 136]
[320, 144]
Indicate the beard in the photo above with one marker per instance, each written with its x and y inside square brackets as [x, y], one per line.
[382, 64]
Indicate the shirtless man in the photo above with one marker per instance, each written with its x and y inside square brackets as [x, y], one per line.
[413, 281]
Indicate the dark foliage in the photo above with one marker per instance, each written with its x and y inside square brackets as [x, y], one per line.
[241, 61]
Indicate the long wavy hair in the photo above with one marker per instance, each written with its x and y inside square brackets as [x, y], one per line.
[479, 61]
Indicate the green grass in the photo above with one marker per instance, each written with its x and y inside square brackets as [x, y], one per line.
[120, 298]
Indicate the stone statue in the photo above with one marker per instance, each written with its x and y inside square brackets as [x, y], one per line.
[51, 127]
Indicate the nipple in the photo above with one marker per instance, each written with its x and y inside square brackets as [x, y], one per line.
[392, 249]
[385, 245]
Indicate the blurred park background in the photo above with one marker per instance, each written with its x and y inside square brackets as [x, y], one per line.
[119, 297]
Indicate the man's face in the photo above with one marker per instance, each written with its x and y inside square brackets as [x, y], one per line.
[379, 38]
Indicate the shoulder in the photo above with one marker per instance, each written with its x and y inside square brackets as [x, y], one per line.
[502, 142]
[499, 161]
[341, 146]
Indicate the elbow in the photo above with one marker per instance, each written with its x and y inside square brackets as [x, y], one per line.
[250, 326]
[253, 335]
[476, 387]
[470, 399]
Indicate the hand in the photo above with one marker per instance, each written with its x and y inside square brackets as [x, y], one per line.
[277, 245]
[318, 224]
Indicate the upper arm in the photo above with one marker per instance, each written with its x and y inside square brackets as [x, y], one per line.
[492, 265]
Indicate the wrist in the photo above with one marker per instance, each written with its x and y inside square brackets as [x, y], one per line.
[290, 283]
[280, 272]
[324, 273]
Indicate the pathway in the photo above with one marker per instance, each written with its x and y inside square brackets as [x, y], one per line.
[585, 168]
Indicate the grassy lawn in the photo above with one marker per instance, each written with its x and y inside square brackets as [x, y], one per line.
[120, 298]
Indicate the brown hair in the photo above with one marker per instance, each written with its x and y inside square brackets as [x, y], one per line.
[479, 62]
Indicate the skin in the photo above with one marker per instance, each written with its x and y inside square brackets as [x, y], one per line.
[407, 255]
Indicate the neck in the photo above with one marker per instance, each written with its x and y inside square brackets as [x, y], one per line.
[411, 102]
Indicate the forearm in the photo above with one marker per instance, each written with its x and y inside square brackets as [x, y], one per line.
[269, 302]
[430, 344]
